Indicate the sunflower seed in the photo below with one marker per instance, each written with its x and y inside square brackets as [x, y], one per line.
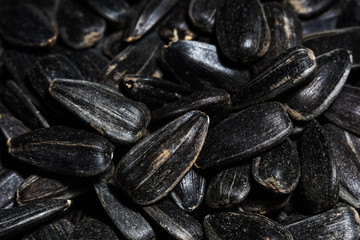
[9, 181]
[56, 230]
[11, 127]
[310, 8]
[202, 14]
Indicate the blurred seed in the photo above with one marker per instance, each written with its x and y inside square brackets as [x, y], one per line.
[11, 127]
[56, 230]
[229, 187]
[113, 44]
[174, 221]
[189, 193]
[310, 8]
[150, 15]
[291, 68]
[127, 219]
[347, 117]
[198, 64]
[229, 225]
[91, 228]
[349, 16]
[16, 220]
[312, 99]
[278, 170]
[103, 108]
[243, 42]
[36, 188]
[63, 150]
[346, 38]
[339, 223]
[78, 27]
[202, 14]
[153, 167]
[319, 178]
[245, 134]
[9, 181]
[29, 26]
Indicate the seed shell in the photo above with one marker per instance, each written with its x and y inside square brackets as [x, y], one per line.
[56, 230]
[9, 181]
[310, 8]
[154, 166]
[202, 14]
[11, 127]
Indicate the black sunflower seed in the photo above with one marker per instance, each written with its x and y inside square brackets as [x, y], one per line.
[202, 14]
[18, 219]
[11, 127]
[278, 170]
[154, 166]
[9, 181]
[346, 117]
[312, 99]
[319, 178]
[243, 42]
[63, 150]
[113, 44]
[103, 108]
[229, 225]
[291, 68]
[229, 187]
[338, 223]
[174, 221]
[245, 134]
[56, 230]
[310, 8]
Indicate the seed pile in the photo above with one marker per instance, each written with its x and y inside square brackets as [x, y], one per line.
[179, 119]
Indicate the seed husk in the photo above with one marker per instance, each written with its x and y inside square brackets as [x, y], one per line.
[339, 223]
[175, 221]
[189, 193]
[113, 44]
[312, 99]
[9, 181]
[103, 108]
[56, 230]
[319, 178]
[91, 228]
[78, 27]
[245, 134]
[326, 41]
[347, 117]
[198, 64]
[202, 14]
[278, 170]
[63, 150]
[39, 32]
[243, 42]
[127, 218]
[15, 220]
[229, 187]
[246, 225]
[153, 167]
[11, 127]
[288, 70]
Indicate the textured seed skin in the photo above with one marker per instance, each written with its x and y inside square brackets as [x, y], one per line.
[103, 108]
[36, 188]
[291, 68]
[197, 64]
[138, 58]
[154, 166]
[278, 170]
[339, 223]
[189, 193]
[9, 181]
[22, 105]
[346, 117]
[91, 228]
[11, 127]
[346, 149]
[56, 230]
[15, 220]
[152, 12]
[127, 219]
[202, 14]
[319, 179]
[39, 32]
[213, 102]
[229, 225]
[312, 99]
[174, 221]
[246, 41]
[346, 38]
[245, 134]
[310, 8]
[153, 91]
[229, 187]
[63, 150]
[285, 31]
[78, 27]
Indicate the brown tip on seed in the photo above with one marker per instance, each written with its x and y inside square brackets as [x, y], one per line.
[311, 54]
[131, 38]
[8, 143]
